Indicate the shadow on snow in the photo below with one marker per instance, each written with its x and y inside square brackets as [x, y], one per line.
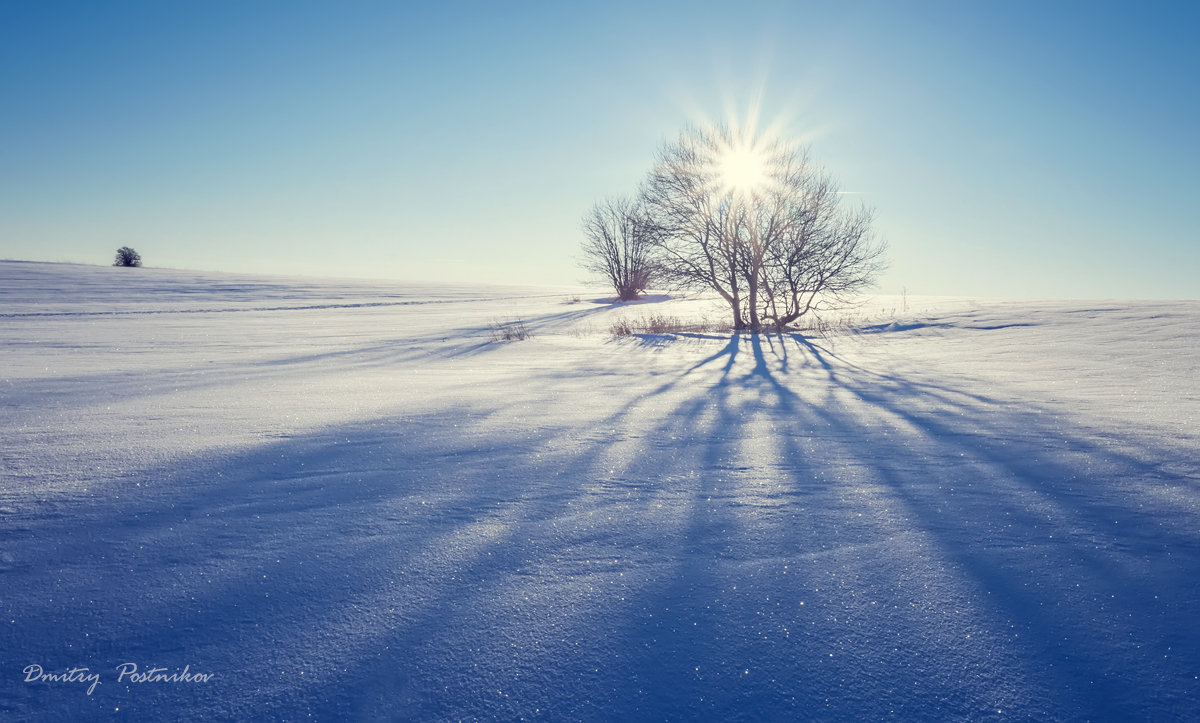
[772, 532]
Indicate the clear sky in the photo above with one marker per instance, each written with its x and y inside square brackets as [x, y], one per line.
[1009, 148]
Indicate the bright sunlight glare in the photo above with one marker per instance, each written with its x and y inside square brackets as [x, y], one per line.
[741, 167]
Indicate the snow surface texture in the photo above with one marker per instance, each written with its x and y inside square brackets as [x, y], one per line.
[345, 501]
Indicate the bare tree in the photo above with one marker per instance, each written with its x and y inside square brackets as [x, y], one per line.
[127, 257]
[618, 240]
[754, 220]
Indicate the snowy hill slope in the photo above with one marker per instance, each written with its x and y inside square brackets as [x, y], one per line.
[344, 500]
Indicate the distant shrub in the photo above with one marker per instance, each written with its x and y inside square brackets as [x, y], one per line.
[127, 257]
[514, 330]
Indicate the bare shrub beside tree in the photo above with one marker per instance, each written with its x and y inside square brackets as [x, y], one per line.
[658, 323]
[754, 220]
[618, 243]
[127, 257]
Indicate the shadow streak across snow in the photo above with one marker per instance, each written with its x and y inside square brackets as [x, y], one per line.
[772, 532]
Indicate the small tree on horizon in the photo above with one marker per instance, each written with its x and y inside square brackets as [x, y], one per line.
[127, 257]
[617, 245]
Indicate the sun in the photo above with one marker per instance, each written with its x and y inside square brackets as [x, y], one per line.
[743, 170]
[741, 165]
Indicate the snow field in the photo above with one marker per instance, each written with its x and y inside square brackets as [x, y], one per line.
[344, 500]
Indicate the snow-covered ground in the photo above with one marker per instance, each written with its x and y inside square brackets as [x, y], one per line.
[344, 500]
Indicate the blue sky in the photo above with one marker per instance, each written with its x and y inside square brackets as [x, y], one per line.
[1009, 148]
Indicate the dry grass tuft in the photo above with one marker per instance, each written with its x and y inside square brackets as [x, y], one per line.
[511, 330]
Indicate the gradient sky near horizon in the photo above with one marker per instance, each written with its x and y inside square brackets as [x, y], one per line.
[1046, 149]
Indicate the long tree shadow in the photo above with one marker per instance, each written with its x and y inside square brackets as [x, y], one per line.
[288, 560]
[1054, 526]
[770, 532]
[971, 485]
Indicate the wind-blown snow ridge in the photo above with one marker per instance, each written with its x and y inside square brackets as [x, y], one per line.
[367, 511]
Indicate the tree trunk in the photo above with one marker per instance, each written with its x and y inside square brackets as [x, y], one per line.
[755, 323]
